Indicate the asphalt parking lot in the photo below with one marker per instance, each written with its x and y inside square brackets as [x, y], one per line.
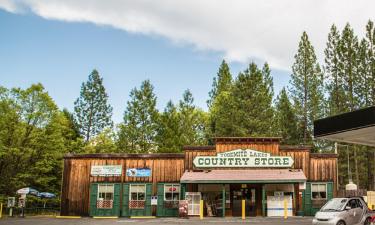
[191, 221]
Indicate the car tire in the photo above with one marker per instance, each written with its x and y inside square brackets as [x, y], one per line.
[341, 222]
[367, 221]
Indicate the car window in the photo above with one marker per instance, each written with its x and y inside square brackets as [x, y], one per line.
[352, 203]
[359, 203]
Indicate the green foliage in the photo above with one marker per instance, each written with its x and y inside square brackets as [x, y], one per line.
[221, 83]
[169, 130]
[33, 140]
[252, 92]
[307, 88]
[138, 132]
[182, 125]
[92, 111]
[105, 142]
[286, 119]
[334, 84]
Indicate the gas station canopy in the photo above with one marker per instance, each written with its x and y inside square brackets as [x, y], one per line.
[357, 127]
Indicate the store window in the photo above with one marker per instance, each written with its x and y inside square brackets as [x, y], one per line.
[171, 195]
[318, 191]
[137, 196]
[105, 196]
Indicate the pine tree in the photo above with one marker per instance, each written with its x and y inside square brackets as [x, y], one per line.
[370, 82]
[252, 95]
[220, 118]
[138, 132]
[223, 82]
[169, 130]
[349, 68]
[336, 99]
[92, 110]
[286, 120]
[193, 121]
[370, 79]
[306, 88]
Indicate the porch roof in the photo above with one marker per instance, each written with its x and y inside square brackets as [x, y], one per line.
[244, 176]
[357, 127]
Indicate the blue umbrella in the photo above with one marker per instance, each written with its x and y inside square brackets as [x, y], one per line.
[46, 195]
[28, 191]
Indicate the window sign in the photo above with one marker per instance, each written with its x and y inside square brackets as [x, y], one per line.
[243, 158]
[318, 191]
[106, 171]
[135, 172]
[137, 196]
[171, 192]
[154, 200]
[105, 196]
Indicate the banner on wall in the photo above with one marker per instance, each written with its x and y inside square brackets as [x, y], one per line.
[106, 170]
[138, 172]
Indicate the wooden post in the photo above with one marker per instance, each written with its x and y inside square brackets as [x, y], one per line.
[1, 210]
[264, 201]
[243, 209]
[224, 200]
[201, 209]
[285, 208]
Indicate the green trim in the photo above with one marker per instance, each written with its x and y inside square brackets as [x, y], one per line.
[128, 212]
[114, 211]
[161, 210]
[308, 207]
[223, 201]
[264, 201]
[241, 181]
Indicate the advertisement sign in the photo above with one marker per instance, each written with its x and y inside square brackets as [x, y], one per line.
[136, 172]
[243, 158]
[106, 171]
[11, 202]
[154, 200]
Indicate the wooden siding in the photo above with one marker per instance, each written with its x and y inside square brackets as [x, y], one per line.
[323, 169]
[76, 178]
[168, 168]
[301, 159]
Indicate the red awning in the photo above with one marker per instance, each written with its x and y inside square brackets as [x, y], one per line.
[244, 176]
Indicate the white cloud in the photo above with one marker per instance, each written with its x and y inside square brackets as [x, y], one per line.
[241, 29]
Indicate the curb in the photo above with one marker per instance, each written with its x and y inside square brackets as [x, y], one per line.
[68, 217]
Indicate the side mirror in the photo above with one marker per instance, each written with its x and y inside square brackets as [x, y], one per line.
[348, 208]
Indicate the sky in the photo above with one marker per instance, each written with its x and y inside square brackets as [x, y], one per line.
[178, 45]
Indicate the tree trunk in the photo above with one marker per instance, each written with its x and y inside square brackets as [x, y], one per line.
[356, 166]
[369, 169]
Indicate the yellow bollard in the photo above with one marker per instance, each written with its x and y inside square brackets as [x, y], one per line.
[243, 209]
[1, 210]
[285, 208]
[201, 209]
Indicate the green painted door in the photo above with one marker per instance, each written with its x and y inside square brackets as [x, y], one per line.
[100, 209]
[129, 211]
[309, 209]
[163, 209]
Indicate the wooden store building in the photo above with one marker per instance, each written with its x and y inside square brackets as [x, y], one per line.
[258, 170]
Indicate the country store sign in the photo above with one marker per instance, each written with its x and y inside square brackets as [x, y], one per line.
[242, 158]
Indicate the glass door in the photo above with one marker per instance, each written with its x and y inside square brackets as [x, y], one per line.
[193, 199]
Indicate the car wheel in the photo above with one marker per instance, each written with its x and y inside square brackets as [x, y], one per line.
[340, 223]
[367, 221]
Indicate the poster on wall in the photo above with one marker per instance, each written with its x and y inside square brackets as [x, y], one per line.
[138, 172]
[154, 200]
[106, 171]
